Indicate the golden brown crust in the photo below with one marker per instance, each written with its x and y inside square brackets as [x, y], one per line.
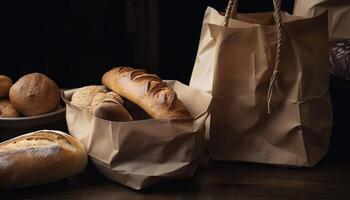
[40, 157]
[112, 111]
[7, 109]
[35, 94]
[5, 85]
[146, 90]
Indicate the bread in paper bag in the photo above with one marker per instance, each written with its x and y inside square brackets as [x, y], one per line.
[140, 153]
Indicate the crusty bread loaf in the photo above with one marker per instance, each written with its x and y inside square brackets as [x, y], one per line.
[5, 85]
[146, 90]
[35, 94]
[7, 109]
[40, 157]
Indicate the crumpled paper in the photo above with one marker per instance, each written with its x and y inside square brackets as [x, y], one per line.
[143, 152]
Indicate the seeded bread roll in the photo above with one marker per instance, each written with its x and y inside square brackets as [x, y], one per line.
[90, 96]
[5, 85]
[7, 109]
[40, 157]
[84, 96]
[147, 91]
[35, 94]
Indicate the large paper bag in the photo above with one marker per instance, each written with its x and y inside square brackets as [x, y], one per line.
[270, 90]
[338, 14]
[140, 153]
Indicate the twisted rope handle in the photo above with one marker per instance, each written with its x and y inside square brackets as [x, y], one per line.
[231, 11]
[231, 7]
[278, 19]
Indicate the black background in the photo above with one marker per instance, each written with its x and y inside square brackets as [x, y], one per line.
[75, 41]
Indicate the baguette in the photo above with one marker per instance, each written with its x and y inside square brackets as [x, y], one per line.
[40, 157]
[147, 91]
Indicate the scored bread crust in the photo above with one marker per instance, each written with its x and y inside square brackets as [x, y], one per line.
[40, 157]
[147, 91]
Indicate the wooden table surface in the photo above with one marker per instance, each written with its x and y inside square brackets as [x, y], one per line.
[213, 181]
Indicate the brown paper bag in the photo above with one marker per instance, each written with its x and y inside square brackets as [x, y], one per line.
[338, 14]
[140, 153]
[261, 67]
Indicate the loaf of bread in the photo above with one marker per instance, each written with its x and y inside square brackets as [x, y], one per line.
[40, 157]
[147, 91]
[5, 85]
[7, 109]
[35, 94]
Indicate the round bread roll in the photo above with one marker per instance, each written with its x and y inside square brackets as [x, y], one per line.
[112, 111]
[40, 157]
[89, 96]
[7, 109]
[35, 94]
[5, 85]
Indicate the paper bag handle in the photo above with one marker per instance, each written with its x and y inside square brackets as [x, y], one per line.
[231, 11]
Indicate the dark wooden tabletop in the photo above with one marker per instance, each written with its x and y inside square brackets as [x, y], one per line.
[214, 180]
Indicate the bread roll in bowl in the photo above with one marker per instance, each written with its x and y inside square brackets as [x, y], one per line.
[7, 109]
[35, 94]
[5, 85]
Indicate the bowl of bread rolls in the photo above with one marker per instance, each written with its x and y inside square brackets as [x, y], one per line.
[31, 103]
[137, 128]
